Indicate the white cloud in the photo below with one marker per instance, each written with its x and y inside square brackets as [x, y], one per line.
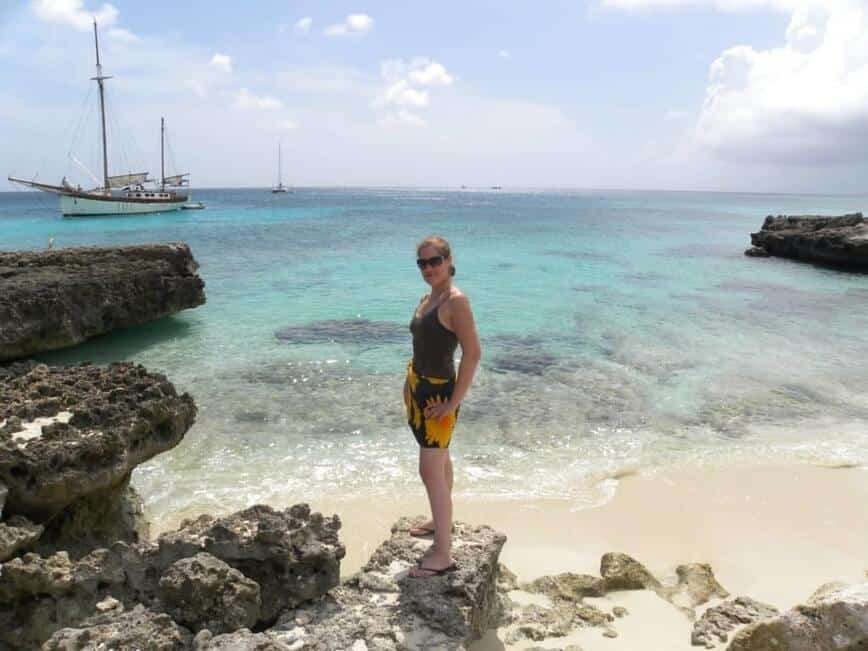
[805, 102]
[289, 125]
[353, 25]
[504, 54]
[222, 62]
[74, 13]
[402, 94]
[303, 25]
[430, 74]
[245, 99]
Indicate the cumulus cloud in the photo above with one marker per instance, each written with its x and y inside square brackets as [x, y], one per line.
[430, 74]
[353, 25]
[503, 54]
[722, 5]
[303, 25]
[805, 102]
[74, 13]
[222, 62]
[246, 100]
[407, 85]
[402, 94]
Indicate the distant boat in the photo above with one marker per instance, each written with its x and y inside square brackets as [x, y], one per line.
[193, 205]
[496, 187]
[121, 194]
[280, 187]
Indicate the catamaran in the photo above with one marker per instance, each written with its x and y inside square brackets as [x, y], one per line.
[121, 194]
[280, 187]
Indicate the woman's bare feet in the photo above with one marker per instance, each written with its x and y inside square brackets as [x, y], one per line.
[433, 563]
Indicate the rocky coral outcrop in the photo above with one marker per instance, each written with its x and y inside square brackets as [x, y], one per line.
[69, 439]
[622, 572]
[203, 592]
[242, 640]
[139, 628]
[58, 298]
[837, 241]
[17, 534]
[383, 608]
[294, 555]
[696, 585]
[718, 622]
[834, 619]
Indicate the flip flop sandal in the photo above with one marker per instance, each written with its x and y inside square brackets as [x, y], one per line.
[421, 532]
[433, 572]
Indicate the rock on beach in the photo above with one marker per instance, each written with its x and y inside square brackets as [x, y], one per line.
[58, 298]
[834, 241]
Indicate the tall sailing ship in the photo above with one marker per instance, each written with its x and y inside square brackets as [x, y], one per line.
[121, 194]
[280, 187]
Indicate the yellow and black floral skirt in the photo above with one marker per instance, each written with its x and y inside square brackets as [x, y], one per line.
[421, 391]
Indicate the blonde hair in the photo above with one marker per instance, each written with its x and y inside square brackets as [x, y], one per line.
[438, 243]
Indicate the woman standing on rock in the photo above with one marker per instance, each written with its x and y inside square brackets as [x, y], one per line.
[433, 393]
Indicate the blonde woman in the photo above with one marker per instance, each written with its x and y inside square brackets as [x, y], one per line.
[433, 392]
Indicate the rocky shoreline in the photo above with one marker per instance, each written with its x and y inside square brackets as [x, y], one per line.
[78, 572]
[58, 298]
[834, 241]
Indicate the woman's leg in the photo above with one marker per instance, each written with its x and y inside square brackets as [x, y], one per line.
[435, 468]
[428, 526]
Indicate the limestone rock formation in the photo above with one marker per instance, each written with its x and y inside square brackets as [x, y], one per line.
[203, 592]
[71, 436]
[621, 572]
[696, 586]
[242, 640]
[383, 608]
[832, 620]
[294, 555]
[718, 622]
[837, 241]
[139, 628]
[58, 298]
[16, 534]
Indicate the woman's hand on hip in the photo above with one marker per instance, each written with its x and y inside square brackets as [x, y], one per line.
[435, 410]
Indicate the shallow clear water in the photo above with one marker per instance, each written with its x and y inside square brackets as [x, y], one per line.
[621, 331]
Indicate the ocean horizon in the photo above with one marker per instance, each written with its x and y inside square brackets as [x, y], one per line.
[623, 331]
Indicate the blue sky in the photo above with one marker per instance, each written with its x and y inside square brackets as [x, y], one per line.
[743, 95]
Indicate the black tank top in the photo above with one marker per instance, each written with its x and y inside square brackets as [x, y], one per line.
[433, 345]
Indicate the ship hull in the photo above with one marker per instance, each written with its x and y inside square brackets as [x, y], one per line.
[79, 206]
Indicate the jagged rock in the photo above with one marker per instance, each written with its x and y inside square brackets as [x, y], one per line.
[203, 592]
[506, 579]
[622, 572]
[242, 640]
[620, 611]
[718, 622]
[3, 493]
[568, 586]
[382, 608]
[53, 299]
[696, 585]
[294, 555]
[71, 432]
[756, 252]
[838, 241]
[95, 520]
[832, 620]
[139, 628]
[40, 595]
[16, 534]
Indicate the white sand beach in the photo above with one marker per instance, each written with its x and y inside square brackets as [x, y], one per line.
[771, 533]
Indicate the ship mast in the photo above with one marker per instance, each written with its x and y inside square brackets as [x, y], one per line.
[279, 168]
[99, 79]
[162, 155]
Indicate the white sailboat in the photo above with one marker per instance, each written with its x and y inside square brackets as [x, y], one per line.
[280, 187]
[121, 194]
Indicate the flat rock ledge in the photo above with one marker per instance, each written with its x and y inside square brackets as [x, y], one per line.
[70, 436]
[382, 608]
[58, 298]
[833, 241]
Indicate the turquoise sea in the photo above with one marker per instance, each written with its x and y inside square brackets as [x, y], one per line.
[622, 332]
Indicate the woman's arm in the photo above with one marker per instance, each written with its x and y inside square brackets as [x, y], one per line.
[465, 329]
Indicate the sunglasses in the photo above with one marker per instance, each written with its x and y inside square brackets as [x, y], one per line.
[436, 261]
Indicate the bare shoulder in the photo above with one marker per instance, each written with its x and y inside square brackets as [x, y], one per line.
[458, 302]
